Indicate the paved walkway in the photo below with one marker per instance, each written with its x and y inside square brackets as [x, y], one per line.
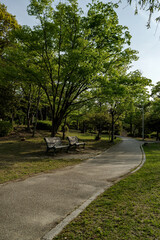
[30, 208]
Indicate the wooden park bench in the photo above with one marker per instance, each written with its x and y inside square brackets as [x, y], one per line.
[73, 141]
[55, 143]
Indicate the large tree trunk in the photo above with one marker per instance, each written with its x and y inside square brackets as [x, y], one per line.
[54, 128]
[56, 122]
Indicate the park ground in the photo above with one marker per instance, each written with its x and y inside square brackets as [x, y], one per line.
[22, 156]
[128, 210]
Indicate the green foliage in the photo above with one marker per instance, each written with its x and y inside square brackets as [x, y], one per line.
[8, 100]
[44, 125]
[147, 5]
[5, 128]
[99, 120]
[64, 128]
[156, 90]
[152, 118]
[68, 53]
[7, 24]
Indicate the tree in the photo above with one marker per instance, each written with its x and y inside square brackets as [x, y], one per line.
[67, 52]
[8, 95]
[9, 101]
[99, 121]
[156, 90]
[121, 91]
[147, 5]
[8, 22]
[153, 120]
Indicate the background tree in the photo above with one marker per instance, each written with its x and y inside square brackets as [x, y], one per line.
[8, 94]
[153, 120]
[8, 22]
[123, 90]
[147, 5]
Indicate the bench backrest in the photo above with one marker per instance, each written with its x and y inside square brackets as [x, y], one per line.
[54, 141]
[73, 140]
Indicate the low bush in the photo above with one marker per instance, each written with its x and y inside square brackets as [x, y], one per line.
[64, 128]
[44, 125]
[153, 135]
[97, 138]
[5, 128]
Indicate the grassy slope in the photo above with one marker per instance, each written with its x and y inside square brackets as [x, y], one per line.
[20, 159]
[128, 210]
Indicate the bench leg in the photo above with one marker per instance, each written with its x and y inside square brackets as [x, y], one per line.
[68, 149]
[47, 150]
[54, 151]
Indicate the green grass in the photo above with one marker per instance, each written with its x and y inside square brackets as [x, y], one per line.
[128, 210]
[21, 159]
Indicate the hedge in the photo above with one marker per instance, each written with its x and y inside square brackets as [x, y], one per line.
[5, 128]
[44, 125]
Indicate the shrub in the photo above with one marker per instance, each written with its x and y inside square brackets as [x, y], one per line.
[5, 128]
[97, 138]
[44, 125]
[153, 135]
[64, 128]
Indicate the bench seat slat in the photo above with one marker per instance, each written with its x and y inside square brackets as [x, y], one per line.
[62, 146]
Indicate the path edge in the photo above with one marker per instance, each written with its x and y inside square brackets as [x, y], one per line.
[56, 230]
[143, 160]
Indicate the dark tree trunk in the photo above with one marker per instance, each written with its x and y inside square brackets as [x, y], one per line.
[99, 132]
[54, 128]
[63, 129]
[131, 128]
[56, 122]
[157, 137]
[109, 132]
[28, 115]
[36, 118]
[28, 111]
[112, 127]
[83, 128]
[77, 126]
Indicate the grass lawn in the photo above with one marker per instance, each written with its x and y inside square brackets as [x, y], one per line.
[20, 159]
[128, 210]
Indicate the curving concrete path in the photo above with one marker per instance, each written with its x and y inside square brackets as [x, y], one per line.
[29, 209]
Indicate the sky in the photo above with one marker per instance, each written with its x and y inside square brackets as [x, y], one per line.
[146, 41]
